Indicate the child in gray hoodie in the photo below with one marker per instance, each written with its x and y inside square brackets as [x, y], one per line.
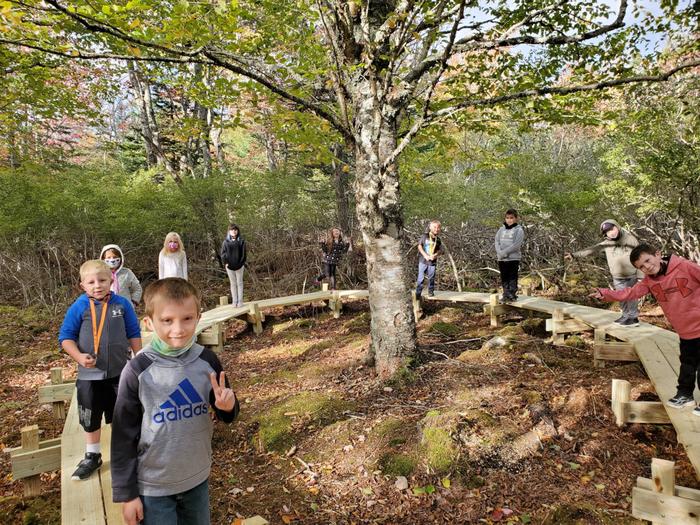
[162, 430]
[509, 240]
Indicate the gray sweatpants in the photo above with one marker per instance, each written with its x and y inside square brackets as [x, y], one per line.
[235, 277]
[629, 308]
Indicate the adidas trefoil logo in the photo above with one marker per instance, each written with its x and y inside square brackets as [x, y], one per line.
[183, 403]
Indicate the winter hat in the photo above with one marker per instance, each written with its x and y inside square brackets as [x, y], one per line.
[606, 227]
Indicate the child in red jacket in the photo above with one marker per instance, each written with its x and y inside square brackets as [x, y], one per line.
[675, 283]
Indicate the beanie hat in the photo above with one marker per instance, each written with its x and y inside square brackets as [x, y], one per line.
[606, 227]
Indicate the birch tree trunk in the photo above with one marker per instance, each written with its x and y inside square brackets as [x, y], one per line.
[381, 223]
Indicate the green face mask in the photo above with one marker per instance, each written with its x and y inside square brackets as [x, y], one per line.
[165, 349]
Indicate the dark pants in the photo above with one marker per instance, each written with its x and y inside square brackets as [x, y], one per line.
[509, 278]
[328, 271]
[423, 270]
[690, 360]
[187, 508]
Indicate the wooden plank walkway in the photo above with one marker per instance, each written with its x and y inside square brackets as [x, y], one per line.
[90, 501]
[87, 502]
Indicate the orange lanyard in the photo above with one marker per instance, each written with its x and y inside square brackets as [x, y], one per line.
[97, 332]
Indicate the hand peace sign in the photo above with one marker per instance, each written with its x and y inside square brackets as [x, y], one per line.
[225, 398]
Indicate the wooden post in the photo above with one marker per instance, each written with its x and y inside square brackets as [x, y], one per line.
[664, 479]
[598, 337]
[621, 391]
[493, 303]
[59, 407]
[336, 304]
[255, 318]
[223, 300]
[557, 318]
[417, 310]
[30, 441]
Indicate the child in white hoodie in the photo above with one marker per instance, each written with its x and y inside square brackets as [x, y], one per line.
[124, 282]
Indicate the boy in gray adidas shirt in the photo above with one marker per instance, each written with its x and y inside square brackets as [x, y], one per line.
[161, 431]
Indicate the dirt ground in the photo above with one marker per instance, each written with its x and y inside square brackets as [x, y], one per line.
[488, 426]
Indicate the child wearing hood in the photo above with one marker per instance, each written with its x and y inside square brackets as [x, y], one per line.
[124, 282]
[617, 244]
[233, 255]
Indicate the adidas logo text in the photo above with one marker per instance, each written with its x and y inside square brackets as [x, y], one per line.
[183, 403]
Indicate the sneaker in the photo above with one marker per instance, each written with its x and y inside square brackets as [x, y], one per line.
[431, 294]
[630, 322]
[619, 320]
[87, 466]
[680, 401]
[696, 411]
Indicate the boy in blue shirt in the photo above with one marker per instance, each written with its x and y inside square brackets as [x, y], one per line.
[161, 436]
[99, 331]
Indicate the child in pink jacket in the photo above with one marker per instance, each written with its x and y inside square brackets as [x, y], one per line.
[675, 283]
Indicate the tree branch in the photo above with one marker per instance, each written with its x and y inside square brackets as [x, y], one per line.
[530, 93]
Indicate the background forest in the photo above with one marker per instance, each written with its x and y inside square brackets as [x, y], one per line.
[126, 153]
[123, 120]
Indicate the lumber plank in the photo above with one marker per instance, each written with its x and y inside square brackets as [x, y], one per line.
[81, 501]
[614, 351]
[682, 492]
[566, 326]
[33, 462]
[42, 444]
[664, 508]
[113, 511]
[498, 309]
[54, 393]
[645, 412]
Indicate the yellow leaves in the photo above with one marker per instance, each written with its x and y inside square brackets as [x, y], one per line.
[135, 51]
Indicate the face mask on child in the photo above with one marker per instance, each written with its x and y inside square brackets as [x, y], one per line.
[173, 245]
[113, 263]
[164, 348]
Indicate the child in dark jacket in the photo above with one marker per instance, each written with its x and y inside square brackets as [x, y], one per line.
[333, 248]
[675, 283]
[100, 359]
[161, 436]
[233, 255]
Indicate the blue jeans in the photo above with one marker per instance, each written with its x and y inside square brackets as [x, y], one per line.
[187, 508]
[424, 269]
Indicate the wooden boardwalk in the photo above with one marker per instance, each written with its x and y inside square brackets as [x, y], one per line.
[90, 502]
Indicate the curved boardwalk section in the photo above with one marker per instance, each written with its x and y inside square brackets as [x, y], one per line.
[90, 502]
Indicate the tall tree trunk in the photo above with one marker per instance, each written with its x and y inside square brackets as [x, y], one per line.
[140, 86]
[380, 216]
[341, 177]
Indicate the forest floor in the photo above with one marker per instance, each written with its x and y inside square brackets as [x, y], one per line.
[512, 430]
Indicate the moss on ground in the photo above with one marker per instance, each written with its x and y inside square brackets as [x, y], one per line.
[445, 329]
[359, 323]
[532, 396]
[276, 430]
[576, 341]
[438, 446]
[397, 464]
[583, 514]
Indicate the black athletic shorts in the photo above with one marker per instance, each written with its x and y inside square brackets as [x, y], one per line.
[96, 398]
